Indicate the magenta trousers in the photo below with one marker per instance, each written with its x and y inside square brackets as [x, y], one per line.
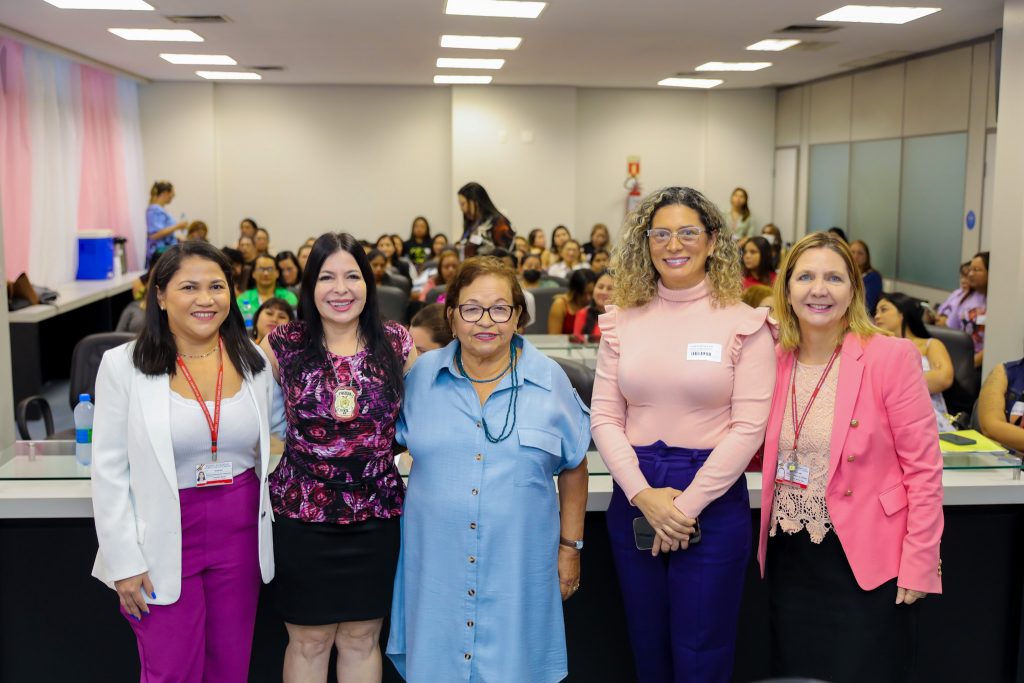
[206, 636]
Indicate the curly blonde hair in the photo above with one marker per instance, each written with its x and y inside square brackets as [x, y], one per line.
[636, 279]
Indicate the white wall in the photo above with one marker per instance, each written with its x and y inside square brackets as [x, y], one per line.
[304, 159]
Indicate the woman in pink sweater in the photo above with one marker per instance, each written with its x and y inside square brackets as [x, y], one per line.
[685, 374]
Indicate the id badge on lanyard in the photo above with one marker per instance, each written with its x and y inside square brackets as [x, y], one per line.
[790, 472]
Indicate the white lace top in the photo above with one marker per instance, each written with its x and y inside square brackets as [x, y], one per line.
[794, 508]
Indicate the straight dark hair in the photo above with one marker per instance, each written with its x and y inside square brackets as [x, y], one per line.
[412, 228]
[155, 351]
[383, 361]
[485, 208]
[287, 256]
[910, 309]
[763, 274]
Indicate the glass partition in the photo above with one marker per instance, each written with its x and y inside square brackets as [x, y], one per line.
[875, 200]
[829, 186]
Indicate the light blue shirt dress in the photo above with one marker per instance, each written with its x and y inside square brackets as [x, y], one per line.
[476, 593]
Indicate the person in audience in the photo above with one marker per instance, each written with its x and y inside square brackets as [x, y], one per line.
[240, 274]
[197, 230]
[429, 329]
[512, 262]
[261, 240]
[600, 240]
[942, 312]
[839, 232]
[1001, 405]
[559, 236]
[741, 224]
[477, 558]
[264, 276]
[447, 265]
[872, 278]
[538, 242]
[418, 246]
[132, 318]
[772, 233]
[379, 265]
[399, 245]
[290, 270]
[247, 246]
[675, 447]
[337, 495]
[901, 316]
[438, 244]
[757, 262]
[303, 255]
[599, 260]
[395, 263]
[484, 228]
[520, 244]
[969, 315]
[570, 258]
[758, 296]
[586, 323]
[532, 275]
[851, 513]
[247, 227]
[564, 307]
[186, 564]
[271, 314]
[160, 224]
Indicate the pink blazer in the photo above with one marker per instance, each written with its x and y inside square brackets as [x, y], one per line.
[884, 490]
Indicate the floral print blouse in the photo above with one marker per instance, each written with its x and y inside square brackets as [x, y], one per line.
[333, 471]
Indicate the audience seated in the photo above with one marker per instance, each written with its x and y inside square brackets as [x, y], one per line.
[838, 232]
[271, 314]
[197, 230]
[418, 248]
[395, 263]
[570, 258]
[291, 272]
[447, 266]
[247, 246]
[562, 317]
[532, 275]
[239, 272]
[600, 240]
[512, 262]
[429, 328]
[969, 313]
[303, 255]
[772, 233]
[559, 236]
[901, 316]
[757, 262]
[261, 240]
[1001, 405]
[247, 228]
[757, 296]
[600, 260]
[586, 325]
[943, 310]
[264, 276]
[872, 278]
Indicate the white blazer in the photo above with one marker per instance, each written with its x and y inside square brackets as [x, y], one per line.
[134, 486]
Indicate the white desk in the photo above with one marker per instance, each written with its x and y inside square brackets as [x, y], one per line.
[72, 295]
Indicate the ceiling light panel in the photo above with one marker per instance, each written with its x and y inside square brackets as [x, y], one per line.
[481, 42]
[451, 63]
[229, 75]
[463, 80]
[101, 4]
[878, 14]
[495, 8]
[165, 35]
[690, 82]
[773, 45]
[733, 66]
[208, 60]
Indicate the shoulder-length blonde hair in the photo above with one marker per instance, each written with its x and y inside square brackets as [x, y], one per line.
[636, 279]
[857, 319]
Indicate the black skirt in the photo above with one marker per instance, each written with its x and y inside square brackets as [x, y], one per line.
[825, 626]
[332, 573]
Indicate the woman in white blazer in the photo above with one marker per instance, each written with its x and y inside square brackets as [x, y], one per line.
[181, 446]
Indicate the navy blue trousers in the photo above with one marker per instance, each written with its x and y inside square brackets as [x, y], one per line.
[682, 607]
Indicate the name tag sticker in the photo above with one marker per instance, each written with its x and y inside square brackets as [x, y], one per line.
[1017, 410]
[708, 352]
[476, 238]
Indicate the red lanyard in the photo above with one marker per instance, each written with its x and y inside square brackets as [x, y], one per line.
[798, 425]
[213, 422]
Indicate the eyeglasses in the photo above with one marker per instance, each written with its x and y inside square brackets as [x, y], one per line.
[500, 313]
[664, 235]
[266, 269]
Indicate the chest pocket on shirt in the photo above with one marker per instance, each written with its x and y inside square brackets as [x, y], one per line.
[540, 453]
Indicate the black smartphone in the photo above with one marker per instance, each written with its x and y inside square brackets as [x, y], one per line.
[956, 439]
[644, 534]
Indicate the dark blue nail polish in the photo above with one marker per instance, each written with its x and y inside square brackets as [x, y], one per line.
[153, 595]
[136, 618]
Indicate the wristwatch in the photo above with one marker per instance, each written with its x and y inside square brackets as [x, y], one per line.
[576, 545]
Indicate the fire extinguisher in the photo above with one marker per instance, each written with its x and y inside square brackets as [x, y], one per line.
[632, 184]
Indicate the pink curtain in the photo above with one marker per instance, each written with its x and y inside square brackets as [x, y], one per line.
[103, 202]
[15, 159]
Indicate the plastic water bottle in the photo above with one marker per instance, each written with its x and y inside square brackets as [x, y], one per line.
[83, 430]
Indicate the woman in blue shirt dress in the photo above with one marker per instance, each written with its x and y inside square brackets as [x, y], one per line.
[160, 224]
[487, 556]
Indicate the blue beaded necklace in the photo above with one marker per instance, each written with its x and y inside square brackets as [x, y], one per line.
[511, 411]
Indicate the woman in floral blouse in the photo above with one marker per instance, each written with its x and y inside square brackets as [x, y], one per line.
[336, 494]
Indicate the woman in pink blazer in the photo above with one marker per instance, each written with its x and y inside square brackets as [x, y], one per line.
[851, 502]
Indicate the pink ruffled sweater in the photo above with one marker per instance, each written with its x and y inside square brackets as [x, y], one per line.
[687, 373]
